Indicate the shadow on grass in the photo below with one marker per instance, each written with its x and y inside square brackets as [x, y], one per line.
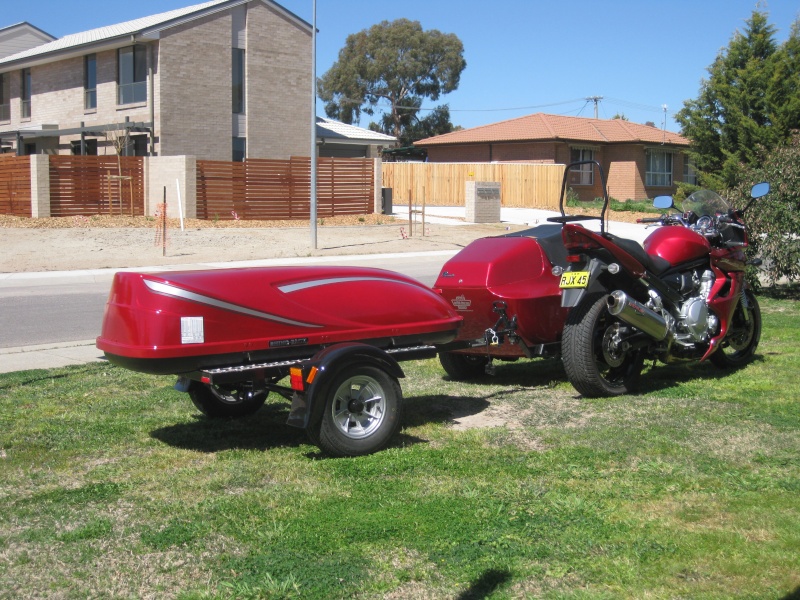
[262, 431]
[664, 377]
[485, 585]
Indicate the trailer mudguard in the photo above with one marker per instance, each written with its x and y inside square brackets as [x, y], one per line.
[306, 410]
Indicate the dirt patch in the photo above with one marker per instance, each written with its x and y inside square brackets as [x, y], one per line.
[63, 244]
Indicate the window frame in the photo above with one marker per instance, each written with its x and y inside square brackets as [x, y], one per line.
[238, 154]
[132, 80]
[5, 97]
[585, 172]
[90, 82]
[25, 93]
[656, 174]
[689, 172]
[238, 88]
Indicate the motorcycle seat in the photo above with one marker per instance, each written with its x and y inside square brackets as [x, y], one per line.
[656, 264]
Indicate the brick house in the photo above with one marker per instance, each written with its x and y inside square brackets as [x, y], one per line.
[640, 161]
[221, 80]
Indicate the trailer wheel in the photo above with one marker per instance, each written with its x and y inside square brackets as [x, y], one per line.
[462, 367]
[362, 411]
[218, 401]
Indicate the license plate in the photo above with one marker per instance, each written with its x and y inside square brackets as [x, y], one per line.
[574, 279]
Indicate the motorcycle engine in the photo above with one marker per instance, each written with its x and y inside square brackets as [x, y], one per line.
[695, 322]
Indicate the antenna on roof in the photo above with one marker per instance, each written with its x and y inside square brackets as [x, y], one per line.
[664, 125]
[596, 100]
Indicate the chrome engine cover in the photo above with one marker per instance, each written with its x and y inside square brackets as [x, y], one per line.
[694, 320]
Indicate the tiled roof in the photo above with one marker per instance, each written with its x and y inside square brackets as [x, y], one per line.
[544, 127]
[330, 129]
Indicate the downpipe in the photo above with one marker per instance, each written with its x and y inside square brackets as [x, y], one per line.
[637, 315]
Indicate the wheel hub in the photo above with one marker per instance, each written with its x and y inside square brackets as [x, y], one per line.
[355, 406]
[613, 352]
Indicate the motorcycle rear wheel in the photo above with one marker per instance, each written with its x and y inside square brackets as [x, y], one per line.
[744, 333]
[595, 365]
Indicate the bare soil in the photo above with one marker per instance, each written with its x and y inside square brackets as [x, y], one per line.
[101, 241]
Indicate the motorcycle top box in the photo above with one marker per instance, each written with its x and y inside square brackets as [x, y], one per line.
[508, 275]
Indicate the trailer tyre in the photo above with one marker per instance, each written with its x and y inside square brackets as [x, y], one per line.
[217, 402]
[463, 367]
[362, 411]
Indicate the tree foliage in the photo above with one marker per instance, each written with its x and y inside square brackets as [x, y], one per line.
[751, 99]
[774, 221]
[398, 63]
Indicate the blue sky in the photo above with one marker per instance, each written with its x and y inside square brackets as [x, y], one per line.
[523, 56]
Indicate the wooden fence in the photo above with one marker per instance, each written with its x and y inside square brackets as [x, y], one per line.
[443, 184]
[280, 189]
[15, 185]
[93, 185]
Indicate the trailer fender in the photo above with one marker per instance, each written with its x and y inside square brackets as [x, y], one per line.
[307, 408]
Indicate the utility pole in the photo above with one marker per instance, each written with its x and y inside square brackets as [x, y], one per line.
[596, 100]
[313, 190]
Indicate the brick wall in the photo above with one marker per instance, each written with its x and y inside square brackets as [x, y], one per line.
[194, 73]
[460, 153]
[278, 59]
[626, 172]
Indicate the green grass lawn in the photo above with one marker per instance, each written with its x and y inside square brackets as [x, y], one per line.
[113, 487]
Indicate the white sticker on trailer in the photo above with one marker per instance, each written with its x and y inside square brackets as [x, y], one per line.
[192, 330]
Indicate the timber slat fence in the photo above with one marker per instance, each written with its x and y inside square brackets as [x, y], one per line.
[91, 185]
[443, 184]
[280, 189]
[15, 185]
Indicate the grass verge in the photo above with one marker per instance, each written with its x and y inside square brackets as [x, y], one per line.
[513, 487]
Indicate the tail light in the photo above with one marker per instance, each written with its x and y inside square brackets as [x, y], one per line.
[577, 241]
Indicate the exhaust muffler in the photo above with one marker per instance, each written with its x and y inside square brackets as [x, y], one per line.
[637, 315]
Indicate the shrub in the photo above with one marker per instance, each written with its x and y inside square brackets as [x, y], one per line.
[774, 220]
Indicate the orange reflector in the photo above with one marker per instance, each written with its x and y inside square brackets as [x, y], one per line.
[312, 374]
[296, 379]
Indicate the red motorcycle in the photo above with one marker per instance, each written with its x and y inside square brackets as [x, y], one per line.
[681, 297]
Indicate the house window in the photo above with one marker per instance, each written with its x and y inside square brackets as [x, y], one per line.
[237, 81]
[135, 145]
[5, 100]
[689, 174]
[25, 96]
[659, 169]
[90, 146]
[239, 149]
[581, 174]
[131, 75]
[90, 81]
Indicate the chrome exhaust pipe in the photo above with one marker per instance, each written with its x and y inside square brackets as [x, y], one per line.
[637, 315]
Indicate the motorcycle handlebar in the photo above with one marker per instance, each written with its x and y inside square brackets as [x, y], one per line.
[650, 220]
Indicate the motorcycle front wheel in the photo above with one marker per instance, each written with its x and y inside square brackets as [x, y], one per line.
[595, 362]
[744, 333]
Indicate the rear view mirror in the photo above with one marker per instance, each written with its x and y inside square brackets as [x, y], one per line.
[663, 202]
[759, 189]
